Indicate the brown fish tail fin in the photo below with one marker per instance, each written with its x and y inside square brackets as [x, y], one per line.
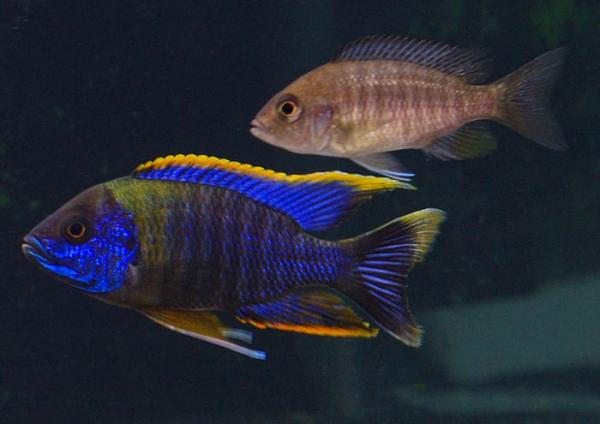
[383, 259]
[523, 102]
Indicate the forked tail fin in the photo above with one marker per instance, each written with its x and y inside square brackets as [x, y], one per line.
[524, 100]
[382, 260]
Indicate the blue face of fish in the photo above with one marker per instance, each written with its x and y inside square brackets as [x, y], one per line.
[89, 243]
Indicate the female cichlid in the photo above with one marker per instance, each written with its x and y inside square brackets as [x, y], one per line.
[380, 94]
[194, 241]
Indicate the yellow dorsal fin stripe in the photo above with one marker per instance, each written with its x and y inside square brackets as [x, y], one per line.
[359, 182]
[315, 201]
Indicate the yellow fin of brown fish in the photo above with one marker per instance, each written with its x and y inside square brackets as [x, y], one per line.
[470, 141]
[316, 312]
[205, 326]
[385, 164]
[471, 65]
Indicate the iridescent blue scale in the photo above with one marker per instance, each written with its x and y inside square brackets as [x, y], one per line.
[315, 206]
[186, 238]
[100, 263]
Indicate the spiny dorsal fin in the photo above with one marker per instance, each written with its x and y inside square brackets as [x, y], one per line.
[316, 201]
[472, 65]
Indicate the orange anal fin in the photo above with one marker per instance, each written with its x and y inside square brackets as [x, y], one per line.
[315, 312]
[205, 326]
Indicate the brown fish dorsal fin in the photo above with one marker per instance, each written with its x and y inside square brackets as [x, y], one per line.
[467, 142]
[205, 326]
[312, 311]
[471, 65]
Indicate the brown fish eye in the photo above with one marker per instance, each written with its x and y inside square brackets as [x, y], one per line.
[77, 230]
[289, 110]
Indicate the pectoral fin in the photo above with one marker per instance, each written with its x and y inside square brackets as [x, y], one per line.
[385, 164]
[316, 312]
[206, 326]
[321, 118]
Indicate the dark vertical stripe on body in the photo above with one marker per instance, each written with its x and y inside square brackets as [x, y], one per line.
[213, 248]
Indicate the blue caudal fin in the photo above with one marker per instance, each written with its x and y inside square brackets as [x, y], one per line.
[382, 261]
[316, 201]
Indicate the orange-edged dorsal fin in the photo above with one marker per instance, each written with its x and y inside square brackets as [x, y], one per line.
[316, 201]
[314, 311]
[205, 326]
[472, 65]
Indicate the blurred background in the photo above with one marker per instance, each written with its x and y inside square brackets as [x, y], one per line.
[509, 297]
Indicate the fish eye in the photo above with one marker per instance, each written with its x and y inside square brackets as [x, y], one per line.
[77, 230]
[289, 109]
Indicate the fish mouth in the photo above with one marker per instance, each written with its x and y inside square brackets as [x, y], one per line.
[34, 250]
[257, 124]
[260, 130]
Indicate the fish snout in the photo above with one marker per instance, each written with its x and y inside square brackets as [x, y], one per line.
[33, 248]
[257, 124]
[261, 131]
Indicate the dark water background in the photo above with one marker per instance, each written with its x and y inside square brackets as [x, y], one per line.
[509, 297]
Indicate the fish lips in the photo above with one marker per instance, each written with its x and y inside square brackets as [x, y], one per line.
[36, 252]
[260, 131]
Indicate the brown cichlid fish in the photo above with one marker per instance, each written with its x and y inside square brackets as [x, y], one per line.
[381, 93]
[193, 242]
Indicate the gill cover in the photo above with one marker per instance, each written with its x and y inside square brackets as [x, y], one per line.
[89, 243]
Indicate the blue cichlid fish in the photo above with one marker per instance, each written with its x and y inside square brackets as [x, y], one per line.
[192, 241]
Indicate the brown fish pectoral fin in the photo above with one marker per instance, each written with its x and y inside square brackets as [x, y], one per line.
[384, 164]
[321, 119]
[205, 326]
[470, 141]
[310, 311]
